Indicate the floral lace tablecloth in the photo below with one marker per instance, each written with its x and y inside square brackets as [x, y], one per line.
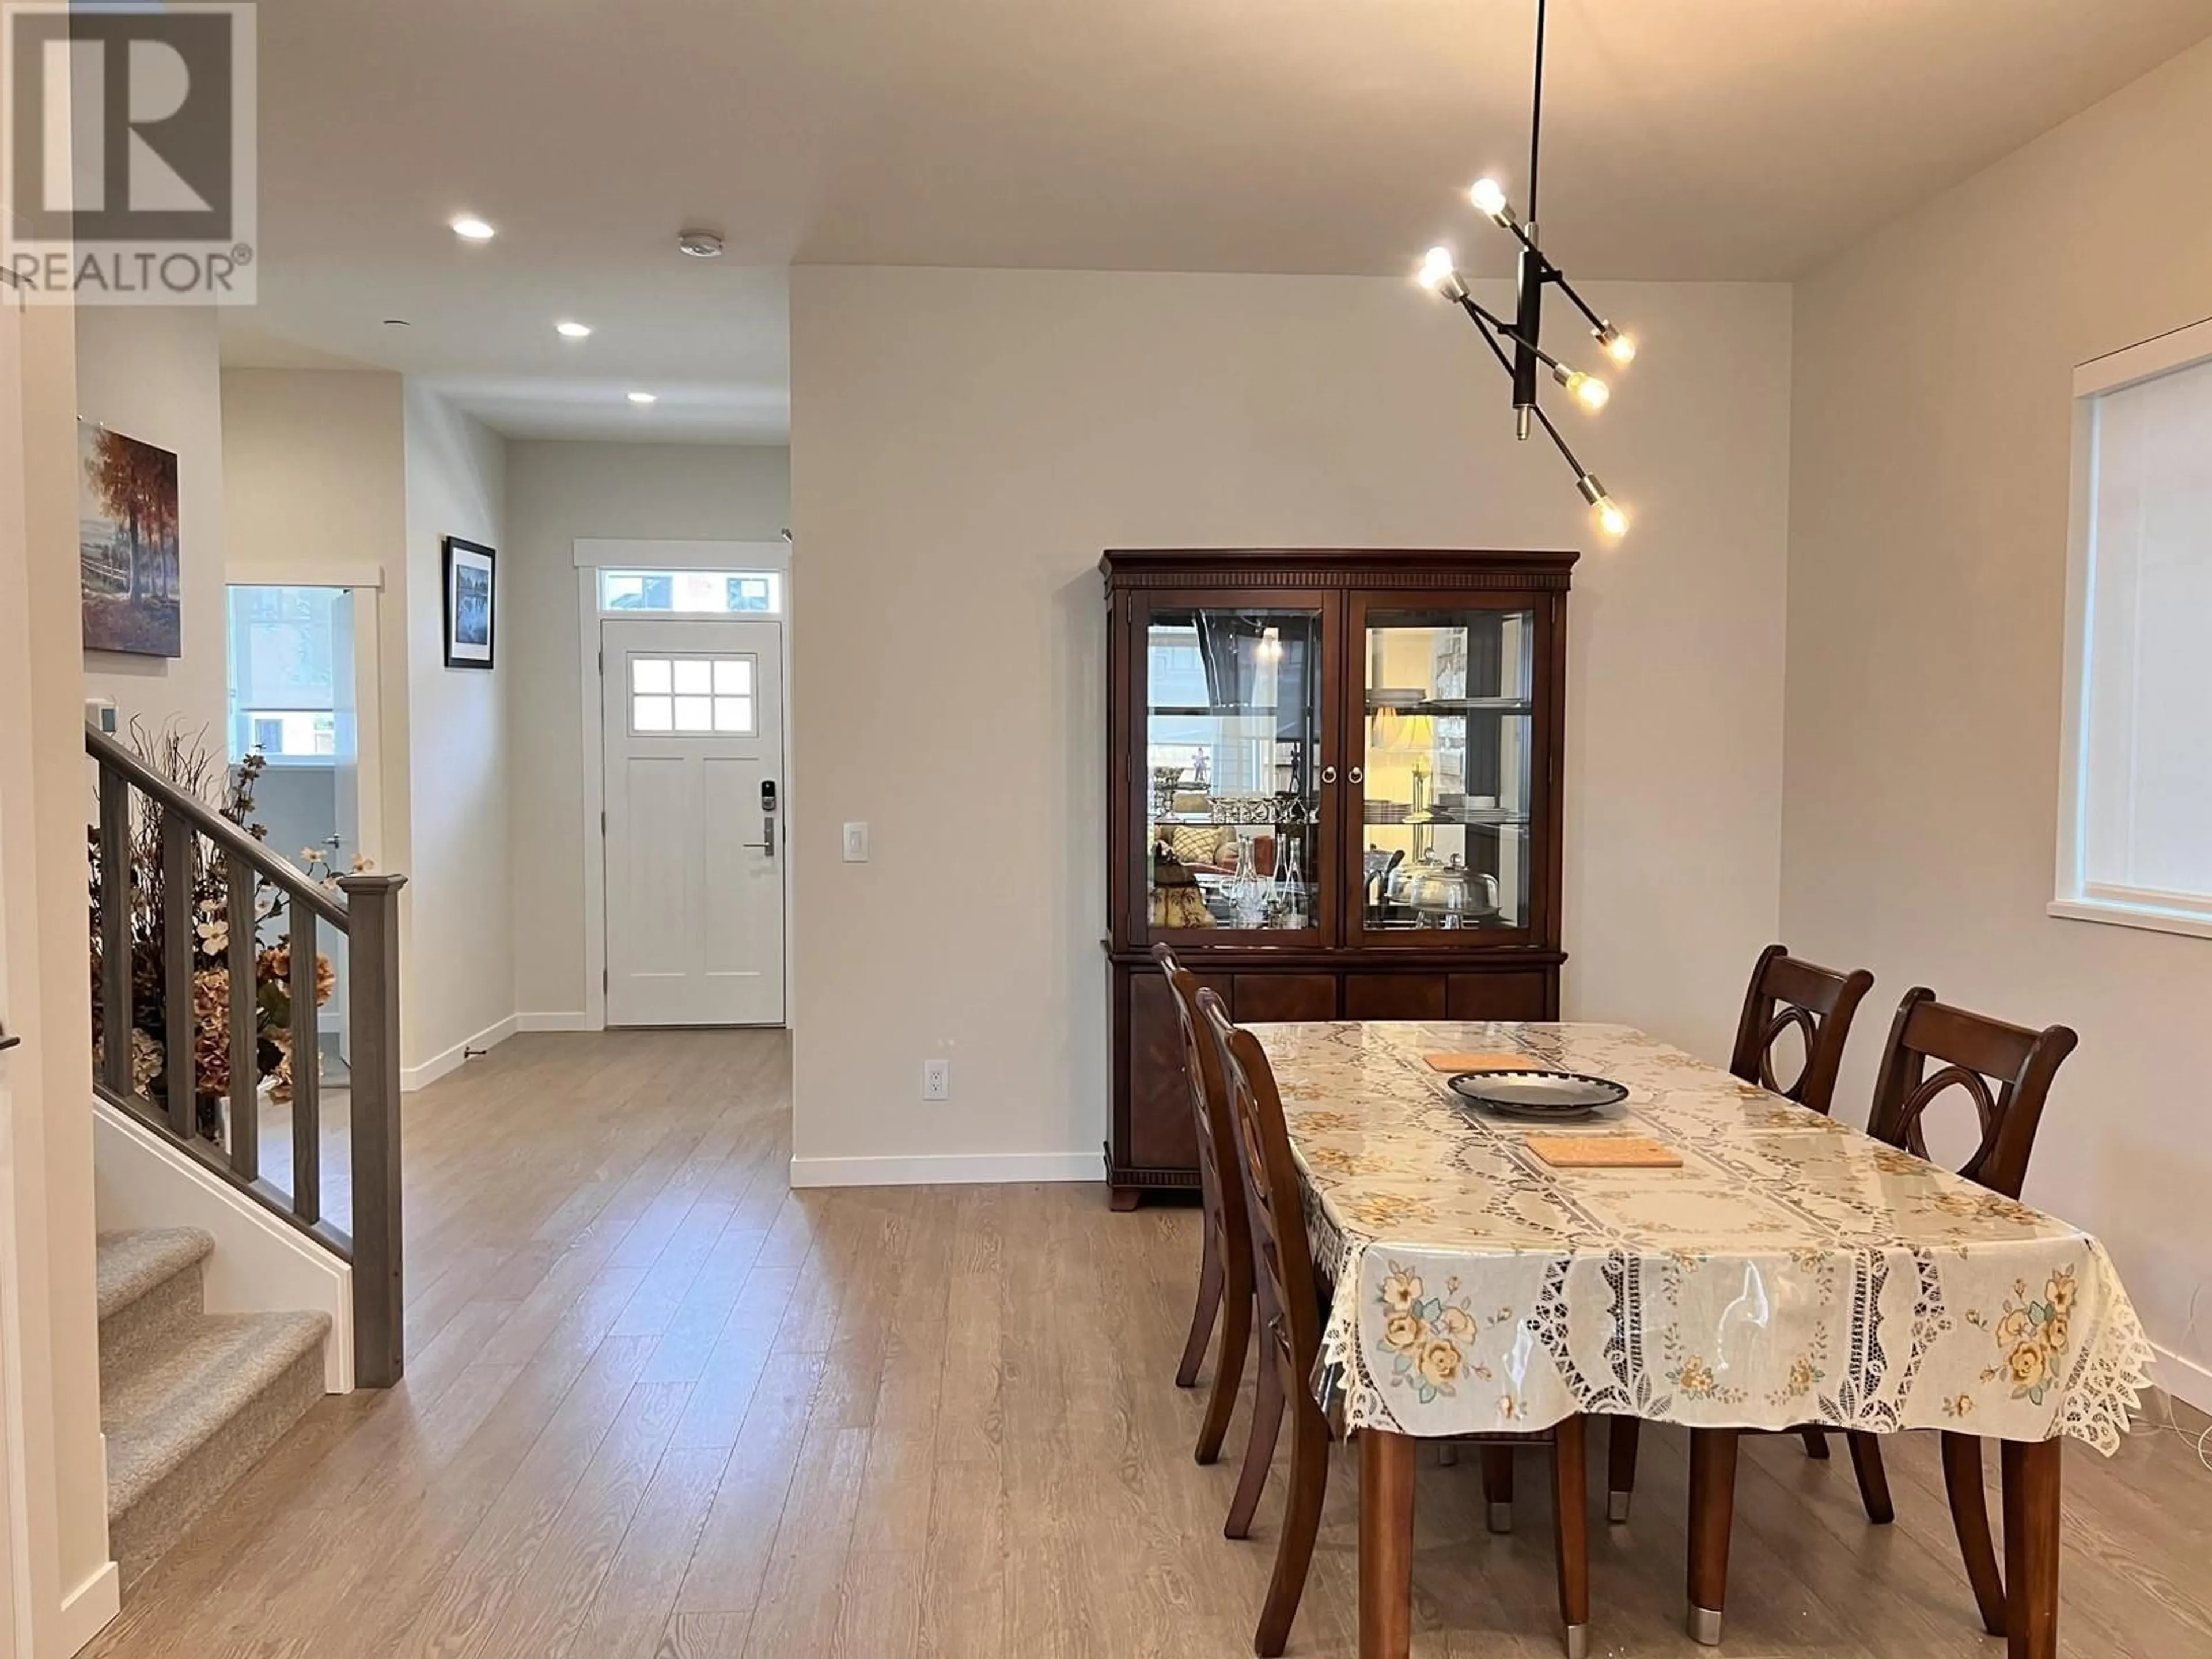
[1792, 1271]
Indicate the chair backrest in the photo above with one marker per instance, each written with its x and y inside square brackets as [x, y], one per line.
[1220, 1182]
[1279, 1246]
[1971, 1052]
[1819, 1002]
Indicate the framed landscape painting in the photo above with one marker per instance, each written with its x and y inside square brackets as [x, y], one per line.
[470, 596]
[130, 565]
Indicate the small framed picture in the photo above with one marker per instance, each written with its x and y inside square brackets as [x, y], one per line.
[470, 596]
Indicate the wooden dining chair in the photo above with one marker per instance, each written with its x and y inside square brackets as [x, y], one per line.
[2006, 1070]
[1971, 1052]
[1224, 1270]
[1818, 1003]
[1287, 1294]
[1785, 995]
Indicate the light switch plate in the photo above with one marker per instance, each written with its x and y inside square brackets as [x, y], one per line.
[856, 843]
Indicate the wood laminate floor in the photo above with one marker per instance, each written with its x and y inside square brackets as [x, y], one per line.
[658, 1406]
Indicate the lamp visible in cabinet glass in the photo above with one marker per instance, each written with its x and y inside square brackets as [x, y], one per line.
[1447, 777]
[1232, 741]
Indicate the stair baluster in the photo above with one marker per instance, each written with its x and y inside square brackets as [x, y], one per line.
[366, 912]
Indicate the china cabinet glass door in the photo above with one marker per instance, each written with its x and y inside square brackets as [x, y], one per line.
[1236, 757]
[1443, 752]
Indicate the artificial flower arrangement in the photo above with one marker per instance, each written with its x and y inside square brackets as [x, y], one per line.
[187, 761]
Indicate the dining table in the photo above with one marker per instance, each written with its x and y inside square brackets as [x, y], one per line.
[1783, 1270]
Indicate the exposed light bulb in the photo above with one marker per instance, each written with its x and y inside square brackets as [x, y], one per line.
[1435, 269]
[1587, 390]
[1621, 348]
[1490, 196]
[471, 228]
[1610, 518]
[573, 331]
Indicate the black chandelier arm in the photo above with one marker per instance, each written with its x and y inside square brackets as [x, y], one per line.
[1536, 122]
[1568, 288]
[1482, 321]
[1580, 470]
[1507, 332]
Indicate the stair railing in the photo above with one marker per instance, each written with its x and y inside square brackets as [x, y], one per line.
[366, 912]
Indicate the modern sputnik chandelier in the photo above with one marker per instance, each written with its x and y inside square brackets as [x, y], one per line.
[1515, 344]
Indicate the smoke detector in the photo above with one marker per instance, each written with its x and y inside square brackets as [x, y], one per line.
[700, 243]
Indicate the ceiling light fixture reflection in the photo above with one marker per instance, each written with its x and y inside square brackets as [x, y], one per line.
[642, 398]
[469, 228]
[573, 331]
[1516, 343]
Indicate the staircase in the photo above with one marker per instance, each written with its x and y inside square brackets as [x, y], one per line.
[189, 1400]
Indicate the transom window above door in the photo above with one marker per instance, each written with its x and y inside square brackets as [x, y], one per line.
[692, 592]
[692, 694]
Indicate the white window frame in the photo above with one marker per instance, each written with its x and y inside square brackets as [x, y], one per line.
[2077, 898]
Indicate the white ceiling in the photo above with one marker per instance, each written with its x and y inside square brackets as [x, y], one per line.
[1685, 139]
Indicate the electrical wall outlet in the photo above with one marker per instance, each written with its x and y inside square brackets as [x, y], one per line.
[936, 1079]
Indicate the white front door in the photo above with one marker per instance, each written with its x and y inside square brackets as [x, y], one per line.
[692, 722]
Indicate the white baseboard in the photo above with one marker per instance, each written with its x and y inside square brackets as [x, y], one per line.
[948, 1169]
[2184, 1379]
[260, 1265]
[415, 1077]
[575, 1022]
[87, 1609]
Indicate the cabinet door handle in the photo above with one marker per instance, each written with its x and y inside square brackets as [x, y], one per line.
[1329, 774]
[1357, 775]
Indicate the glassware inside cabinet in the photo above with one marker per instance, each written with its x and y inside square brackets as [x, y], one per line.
[1233, 735]
[1449, 769]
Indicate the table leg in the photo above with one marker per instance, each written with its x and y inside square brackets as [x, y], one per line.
[1712, 1511]
[2031, 1547]
[1386, 1544]
[1571, 1530]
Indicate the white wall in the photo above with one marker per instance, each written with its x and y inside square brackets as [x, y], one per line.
[49, 1377]
[1927, 591]
[964, 445]
[557, 493]
[150, 372]
[458, 933]
[314, 475]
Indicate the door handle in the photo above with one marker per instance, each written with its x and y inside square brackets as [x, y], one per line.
[767, 844]
[7, 1042]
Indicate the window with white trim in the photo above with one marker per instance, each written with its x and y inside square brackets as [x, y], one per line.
[692, 592]
[2135, 828]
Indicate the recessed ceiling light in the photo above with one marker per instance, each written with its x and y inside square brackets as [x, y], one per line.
[397, 322]
[641, 397]
[469, 228]
[573, 331]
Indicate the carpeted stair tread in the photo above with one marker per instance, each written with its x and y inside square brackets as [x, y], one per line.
[159, 1411]
[133, 1263]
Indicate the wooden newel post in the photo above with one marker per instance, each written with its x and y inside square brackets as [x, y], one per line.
[372, 1013]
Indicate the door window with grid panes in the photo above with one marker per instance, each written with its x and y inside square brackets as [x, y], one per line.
[693, 695]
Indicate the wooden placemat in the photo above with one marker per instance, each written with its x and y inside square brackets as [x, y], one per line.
[1603, 1152]
[1485, 1062]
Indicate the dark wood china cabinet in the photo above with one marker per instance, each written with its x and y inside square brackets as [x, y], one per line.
[1334, 786]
